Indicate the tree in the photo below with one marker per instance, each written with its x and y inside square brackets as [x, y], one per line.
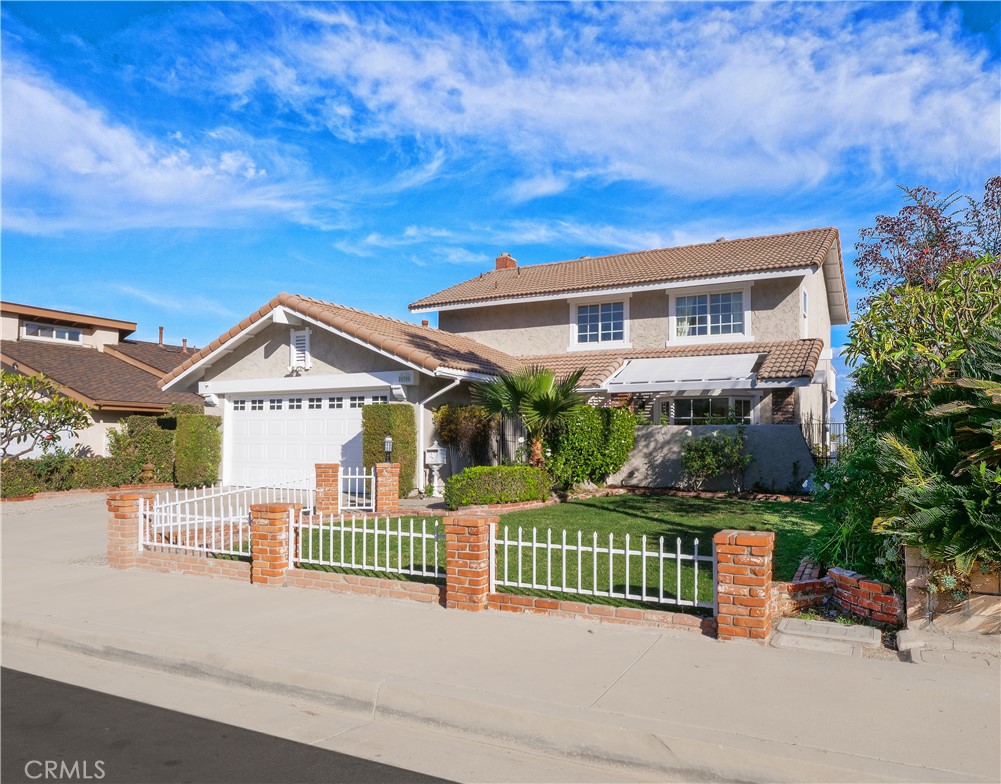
[32, 410]
[928, 235]
[535, 396]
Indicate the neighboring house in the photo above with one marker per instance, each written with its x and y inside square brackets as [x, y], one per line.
[92, 359]
[737, 327]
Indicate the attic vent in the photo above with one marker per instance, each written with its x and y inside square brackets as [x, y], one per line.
[299, 348]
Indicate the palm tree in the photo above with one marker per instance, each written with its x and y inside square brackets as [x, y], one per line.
[536, 396]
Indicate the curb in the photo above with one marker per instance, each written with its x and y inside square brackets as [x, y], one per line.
[685, 752]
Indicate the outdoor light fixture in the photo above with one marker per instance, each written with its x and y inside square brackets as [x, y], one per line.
[387, 447]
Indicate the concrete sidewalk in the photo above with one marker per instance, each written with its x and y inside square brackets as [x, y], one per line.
[678, 704]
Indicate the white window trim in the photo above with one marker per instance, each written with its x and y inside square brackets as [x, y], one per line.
[729, 397]
[672, 314]
[53, 339]
[600, 345]
[308, 357]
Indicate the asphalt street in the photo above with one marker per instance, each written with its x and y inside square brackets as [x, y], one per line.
[54, 731]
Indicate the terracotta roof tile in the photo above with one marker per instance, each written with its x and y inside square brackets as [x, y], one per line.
[795, 250]
[782, 359]
[425, 347]
[99, 377]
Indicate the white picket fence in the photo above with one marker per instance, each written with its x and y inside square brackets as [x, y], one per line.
[215, 519]
[357, 488]
[380, 545]
[587, 567]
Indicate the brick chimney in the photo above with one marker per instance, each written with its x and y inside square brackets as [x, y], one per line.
[425, 322]
[184, 345]
[506, 261]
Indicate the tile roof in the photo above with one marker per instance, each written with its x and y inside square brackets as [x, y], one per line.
[781, 359]
[162, 356]
[101, 378]
[424, 347]
[794, 250]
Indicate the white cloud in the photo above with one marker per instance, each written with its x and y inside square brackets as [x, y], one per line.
[698, 99]
[68, 166]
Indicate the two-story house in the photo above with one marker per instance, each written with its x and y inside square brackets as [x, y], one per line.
[737, 328]
[92, 359]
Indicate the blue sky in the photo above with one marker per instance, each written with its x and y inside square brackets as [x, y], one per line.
[179, 164]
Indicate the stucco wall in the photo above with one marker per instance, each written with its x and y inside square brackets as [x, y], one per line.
[782, 460]
[776, 310]
[9, 326]
[819, 315]
[266, 355]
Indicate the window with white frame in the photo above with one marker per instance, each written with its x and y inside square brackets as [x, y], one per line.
[356, 401]
[52, 332]
[276, 404]
[294, 403]
[380, 398]
[239, 405]
[299, 348]
[335, 402]
[600, 322]
[257, 405]
[705, 410]
[700, 315]
[314, 403]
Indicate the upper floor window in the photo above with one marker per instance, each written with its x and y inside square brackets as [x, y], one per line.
[710, 314]
[52, 332]
[600, 324]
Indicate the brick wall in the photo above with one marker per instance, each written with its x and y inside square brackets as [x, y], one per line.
[789, 598]
[467, 561]
[743, 583]
[328, 487]
[370, 586]
[783, 406]
[857, 594]
[387, 487]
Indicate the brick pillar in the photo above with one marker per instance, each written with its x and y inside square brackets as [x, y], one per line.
[743, 583]
[328, 487]
[269, 542]
[467, 561]
[387, 487]
[123, 528]
[783, 406]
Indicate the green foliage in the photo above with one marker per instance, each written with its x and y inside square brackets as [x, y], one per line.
[591, 444]
[496, 485]
[198, 450]
[143, 439]
[534, 394]
[379, 420]
[60, 471]
[466, 429]
[32, 412]
[706, 457]
[914, 334]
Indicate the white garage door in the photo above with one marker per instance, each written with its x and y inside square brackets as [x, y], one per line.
[277, 438]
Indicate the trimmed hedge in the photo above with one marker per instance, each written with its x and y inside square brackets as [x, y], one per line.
[397, 420]
[496, 485]
[59, 472]
[198, 450]
[145, 439]
[592, 445]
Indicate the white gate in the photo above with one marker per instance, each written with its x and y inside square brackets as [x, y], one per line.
[357, 488]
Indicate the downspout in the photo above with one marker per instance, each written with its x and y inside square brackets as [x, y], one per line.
[420, 424]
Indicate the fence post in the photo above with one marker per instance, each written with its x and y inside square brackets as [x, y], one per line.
[743, 583]
[467, 561]
[269, 542]
[124, 528]
[328, 487]
[387, 487]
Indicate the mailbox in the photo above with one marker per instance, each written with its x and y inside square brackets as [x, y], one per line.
[436, 455]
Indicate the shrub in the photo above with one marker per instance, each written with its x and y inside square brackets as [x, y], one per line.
[198, 450]
[593, 444]
[145, 439]
[496, 485]
[62, 472]
[705, 457]
[466, 429]
[18, 477]
[397, 420]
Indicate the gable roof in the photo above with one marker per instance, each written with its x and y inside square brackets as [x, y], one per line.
[800, 250]
[160, 357]
[781, 360]
[425, 348]
[98, 378]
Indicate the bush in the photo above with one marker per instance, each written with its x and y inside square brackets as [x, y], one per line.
[17, 478]
[397, 420]
[496, 485]
[705, 457]
[198, 450]
[466, 429]
[145, 439]
[593, 444]
[62, 472]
